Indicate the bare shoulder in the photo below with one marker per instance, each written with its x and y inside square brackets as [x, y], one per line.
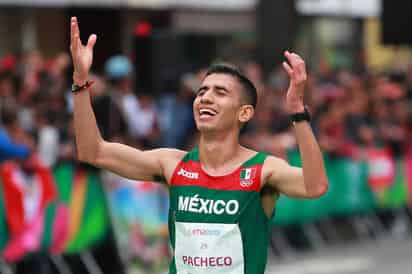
[168, 154]
[272, 166]
[273, 160]
[169, 158]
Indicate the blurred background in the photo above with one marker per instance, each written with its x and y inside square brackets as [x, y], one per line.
[60, 216]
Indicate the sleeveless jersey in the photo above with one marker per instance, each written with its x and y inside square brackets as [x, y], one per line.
[217, 223]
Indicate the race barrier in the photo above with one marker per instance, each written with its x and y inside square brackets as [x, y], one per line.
[355, 186]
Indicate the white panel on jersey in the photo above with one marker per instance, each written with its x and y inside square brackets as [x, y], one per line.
[208, 248]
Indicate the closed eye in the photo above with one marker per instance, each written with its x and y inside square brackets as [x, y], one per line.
[201, 91]
[221, 92]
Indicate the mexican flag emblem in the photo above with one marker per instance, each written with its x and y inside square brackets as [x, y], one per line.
[246, 176]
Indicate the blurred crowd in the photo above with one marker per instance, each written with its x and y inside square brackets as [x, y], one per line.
[352, 111]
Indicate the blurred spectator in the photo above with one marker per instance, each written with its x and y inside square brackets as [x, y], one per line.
[14, 142]
[119, 72]
[7, 89]
[332, 130]
[254, 72]
[146, 124]
[136, 120]
[106, 104]
[47, 139]
[263, 137]
[176, 112]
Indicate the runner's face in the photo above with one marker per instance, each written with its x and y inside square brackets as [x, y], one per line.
[218, 103]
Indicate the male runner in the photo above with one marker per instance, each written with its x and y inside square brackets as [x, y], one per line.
[217, 217]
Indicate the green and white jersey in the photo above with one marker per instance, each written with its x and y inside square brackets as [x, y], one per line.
[217, 223]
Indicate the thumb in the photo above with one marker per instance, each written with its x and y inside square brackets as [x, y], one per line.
[92, 41]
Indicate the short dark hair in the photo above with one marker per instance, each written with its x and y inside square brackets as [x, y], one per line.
[248, 87]
[8, 115]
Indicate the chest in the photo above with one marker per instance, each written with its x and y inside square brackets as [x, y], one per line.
[190, 203]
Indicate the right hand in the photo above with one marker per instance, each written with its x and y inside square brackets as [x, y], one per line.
[82, 55]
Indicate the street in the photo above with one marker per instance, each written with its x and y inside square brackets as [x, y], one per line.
[380, 257]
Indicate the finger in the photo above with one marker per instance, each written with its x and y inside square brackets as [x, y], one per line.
[297, 56]
[92, 41]
[72, 30]
[75, 38]
[288, 68]
[298, 65]
[301, 65]
[77, 41]
[292, 59]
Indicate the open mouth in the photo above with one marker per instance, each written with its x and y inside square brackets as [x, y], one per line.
[206, 113]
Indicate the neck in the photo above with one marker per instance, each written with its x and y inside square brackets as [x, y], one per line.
[216, 151]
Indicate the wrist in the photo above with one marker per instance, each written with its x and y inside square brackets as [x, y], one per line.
[86, 86]
[79, 80]
[300, 116]
[295, 108]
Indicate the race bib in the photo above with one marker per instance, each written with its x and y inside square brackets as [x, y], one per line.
[205, 248]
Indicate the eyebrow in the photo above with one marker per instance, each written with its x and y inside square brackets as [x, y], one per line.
[216, 86]
[201, 88]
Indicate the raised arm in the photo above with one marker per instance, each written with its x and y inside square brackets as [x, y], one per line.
[91, 148]
[310, 181]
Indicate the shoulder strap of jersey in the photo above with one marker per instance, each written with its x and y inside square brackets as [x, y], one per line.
[258, 159]
[253, 168]
[192, 155]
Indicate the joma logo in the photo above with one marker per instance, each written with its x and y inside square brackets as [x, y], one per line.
[187, 174]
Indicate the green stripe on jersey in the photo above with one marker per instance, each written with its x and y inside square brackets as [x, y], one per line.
[192, 155]
[258, 159]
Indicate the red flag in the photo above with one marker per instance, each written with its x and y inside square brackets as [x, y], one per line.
[13, 198]
[25, 200]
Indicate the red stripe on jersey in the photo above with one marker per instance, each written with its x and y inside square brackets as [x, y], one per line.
[190, 173]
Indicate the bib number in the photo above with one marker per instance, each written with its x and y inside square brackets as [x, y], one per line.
[205, 248]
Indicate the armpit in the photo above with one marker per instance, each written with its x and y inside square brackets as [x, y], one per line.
[268, 190]
[159, 178]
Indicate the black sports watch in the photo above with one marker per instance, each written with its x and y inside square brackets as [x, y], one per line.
[300, 116]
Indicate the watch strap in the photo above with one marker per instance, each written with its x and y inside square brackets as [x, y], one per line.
[301, 116]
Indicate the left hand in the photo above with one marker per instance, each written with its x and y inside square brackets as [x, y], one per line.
[82, 55]
[295, 67]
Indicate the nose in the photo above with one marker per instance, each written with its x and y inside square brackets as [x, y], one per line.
[206, 97]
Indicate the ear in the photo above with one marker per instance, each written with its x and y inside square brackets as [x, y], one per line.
[246, 113]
